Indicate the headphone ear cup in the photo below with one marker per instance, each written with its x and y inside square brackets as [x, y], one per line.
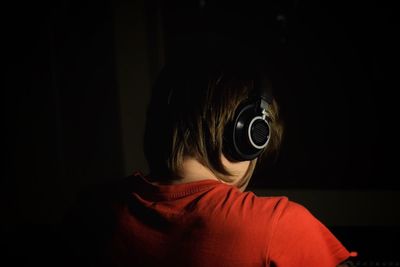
[247, 135]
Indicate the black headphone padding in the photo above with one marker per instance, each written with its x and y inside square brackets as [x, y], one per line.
[248, 133]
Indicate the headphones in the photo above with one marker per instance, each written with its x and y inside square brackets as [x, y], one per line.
[248, 134]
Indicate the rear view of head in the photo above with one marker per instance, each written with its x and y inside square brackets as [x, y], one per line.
[203, 109]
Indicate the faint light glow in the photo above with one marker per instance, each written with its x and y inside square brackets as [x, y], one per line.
[202, 3]
[281, 18]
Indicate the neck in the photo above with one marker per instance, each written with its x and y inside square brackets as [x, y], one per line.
[192, 170]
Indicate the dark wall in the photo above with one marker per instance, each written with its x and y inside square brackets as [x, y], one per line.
[69, 94]
[61, 106]
[329, 63]
[73, 101]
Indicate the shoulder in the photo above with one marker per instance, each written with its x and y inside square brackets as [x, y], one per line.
[269, 207]
[94, 205]
[245, 207]
[229, 195]
[89, 221]
[300, 239]
[295, 212]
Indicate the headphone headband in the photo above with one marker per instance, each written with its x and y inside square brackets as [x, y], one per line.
[263, 88]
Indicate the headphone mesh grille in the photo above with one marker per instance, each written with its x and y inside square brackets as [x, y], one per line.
[259, 132]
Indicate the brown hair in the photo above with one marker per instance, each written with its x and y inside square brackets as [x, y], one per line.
[190, 106]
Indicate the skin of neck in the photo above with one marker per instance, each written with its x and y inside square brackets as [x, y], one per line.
[192, 170]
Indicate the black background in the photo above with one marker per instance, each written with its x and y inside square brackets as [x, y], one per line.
[332, 77]
[331, 66]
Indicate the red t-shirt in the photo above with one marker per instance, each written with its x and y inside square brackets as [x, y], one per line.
[209, 223]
